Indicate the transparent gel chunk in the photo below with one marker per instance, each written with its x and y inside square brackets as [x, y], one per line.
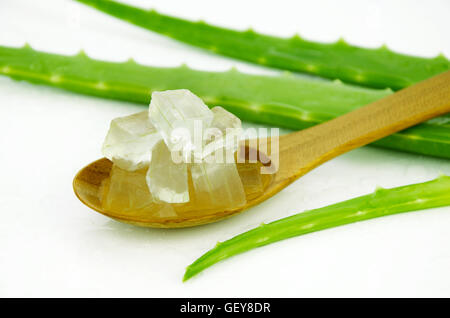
[217, 186]
[176, 114]
[222, 137]
[167, 180]
[251, 175]
[127, 191]
[223, 119]
[130, 140]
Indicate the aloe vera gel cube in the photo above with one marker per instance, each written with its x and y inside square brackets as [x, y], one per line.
[223, 119]
[176, 114]
[167, 180]
[152, 146]
[217, 185]
[222, 136]
[130, 140]
[127, 191]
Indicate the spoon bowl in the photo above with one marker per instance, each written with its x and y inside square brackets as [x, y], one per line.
[297, 153]
[90, 187]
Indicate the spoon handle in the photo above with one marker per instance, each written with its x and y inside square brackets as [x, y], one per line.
[410, 106]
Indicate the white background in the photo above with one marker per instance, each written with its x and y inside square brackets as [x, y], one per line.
[52, 245]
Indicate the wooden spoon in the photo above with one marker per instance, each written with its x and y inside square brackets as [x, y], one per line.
[298, 152]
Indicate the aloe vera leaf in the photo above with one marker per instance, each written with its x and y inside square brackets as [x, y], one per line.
[287, 100]
[382, 202]
[379, 68]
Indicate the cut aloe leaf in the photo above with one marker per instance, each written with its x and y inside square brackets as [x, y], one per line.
[379, 68]
[382, 202]
[287, 101]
